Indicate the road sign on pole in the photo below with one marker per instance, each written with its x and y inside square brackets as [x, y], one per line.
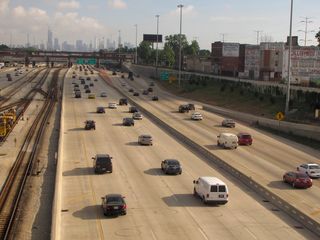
[164, 76]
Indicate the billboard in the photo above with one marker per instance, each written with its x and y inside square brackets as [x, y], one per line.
[230, 49]
[152, 38]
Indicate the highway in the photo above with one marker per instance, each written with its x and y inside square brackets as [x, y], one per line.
[265, 161]
[159, 206]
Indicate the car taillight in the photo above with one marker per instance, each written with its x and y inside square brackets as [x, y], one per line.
[227, 195]
[124, 206]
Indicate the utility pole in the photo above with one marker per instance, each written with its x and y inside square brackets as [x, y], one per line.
[136, 57]
[289, 62]
[305, 31]
[180, 6]
[223, 35]
[258, 35]
[157, 16]
[119, 45]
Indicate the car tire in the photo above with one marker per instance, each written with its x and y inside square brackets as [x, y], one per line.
[180, 172]
[218, 143]
[105, 214]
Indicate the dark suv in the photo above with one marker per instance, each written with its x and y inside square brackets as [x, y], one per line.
[183, 108]
[123, 101]
[171, 166]
[90, 124]
[102, 163]
[114, 204]
[133, 109]
[191, 106]
[128, 121]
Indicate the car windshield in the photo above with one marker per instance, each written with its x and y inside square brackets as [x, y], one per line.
[314, 167]
[302, 175]
[114, 200]
[173, 163]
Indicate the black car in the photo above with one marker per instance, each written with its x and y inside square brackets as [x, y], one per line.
[131, 90]
[171, 166]
[150, 89]
[96, 80]
[114, 204]
[128, 121]
[100, 110]
[88, 90]
[145, 92]
[86, 86]
[183, 108]
[91, 84]
[90, 124]
[133, 109]
[155, 98]
[88, 78]
[102, 163]
[191, 106]
[123, 101]
[114, 73]
[136, 94]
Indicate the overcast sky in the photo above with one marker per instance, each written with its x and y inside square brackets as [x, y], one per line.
[203, 20]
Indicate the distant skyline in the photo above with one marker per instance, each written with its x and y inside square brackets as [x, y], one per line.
[203, 20]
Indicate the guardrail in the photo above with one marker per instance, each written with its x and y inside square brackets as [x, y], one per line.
[295, 213]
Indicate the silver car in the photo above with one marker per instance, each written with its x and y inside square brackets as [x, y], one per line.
[145, 140]
[137, 116]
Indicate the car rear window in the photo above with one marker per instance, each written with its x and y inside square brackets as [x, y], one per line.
[222, 188]
[246, 136]
[114, 200]
[214, 189]
[314, 167]
[218, 188]
[173, 163]
[103, 160]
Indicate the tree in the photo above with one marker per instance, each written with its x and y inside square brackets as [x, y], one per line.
[204, 53]
[144, 51]
[167, 56]
[193, 48]
[4, 47]
[318, 38]
[173, 41]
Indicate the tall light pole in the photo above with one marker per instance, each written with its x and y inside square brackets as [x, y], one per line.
[258, 35]
[305, 31]
[136, 57]
[180, 6]
[289, 62]
[157, 16]
[119, 44]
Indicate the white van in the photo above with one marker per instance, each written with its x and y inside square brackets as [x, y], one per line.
[227, 140]
[211, 189]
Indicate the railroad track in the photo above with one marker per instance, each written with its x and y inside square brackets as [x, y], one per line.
[12, 189]
[14, 90]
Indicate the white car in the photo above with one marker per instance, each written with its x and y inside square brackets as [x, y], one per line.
[311, 169]
[137, 116]
[196, 116]
[103, 94]
[112, 105]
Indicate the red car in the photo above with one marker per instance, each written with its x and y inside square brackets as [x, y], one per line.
[244, 139]
[297, 180]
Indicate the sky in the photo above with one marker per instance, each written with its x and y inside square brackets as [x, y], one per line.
[206, 21]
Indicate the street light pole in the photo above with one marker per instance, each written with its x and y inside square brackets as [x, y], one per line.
[157, 16]
[136, 57]
[180, 6]
[289, 62]
[119, 44]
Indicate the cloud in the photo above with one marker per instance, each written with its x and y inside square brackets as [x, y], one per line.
[69, 5]
[118, 4]
[78, 27]
[4, 6]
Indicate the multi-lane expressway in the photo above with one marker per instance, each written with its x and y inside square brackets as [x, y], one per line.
[161, 206]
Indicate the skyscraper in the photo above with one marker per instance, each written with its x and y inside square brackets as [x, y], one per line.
[56, 44]
[49, 43]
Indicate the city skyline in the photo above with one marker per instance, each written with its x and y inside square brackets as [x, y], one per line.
[246, 22]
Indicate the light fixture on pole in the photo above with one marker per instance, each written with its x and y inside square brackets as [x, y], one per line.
[157, 16]
[289, 62]
[119, 45]
[136, 56]
[180, 6]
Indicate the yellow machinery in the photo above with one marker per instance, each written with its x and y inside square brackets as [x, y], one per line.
[7, 120]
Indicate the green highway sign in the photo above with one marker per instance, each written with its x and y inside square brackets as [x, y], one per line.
[90, 61]
[164, 76]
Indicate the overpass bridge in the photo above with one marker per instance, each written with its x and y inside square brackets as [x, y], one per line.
[51, 57]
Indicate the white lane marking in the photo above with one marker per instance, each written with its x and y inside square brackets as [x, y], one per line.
[153, 235]
[251, 233]
[203, 233]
